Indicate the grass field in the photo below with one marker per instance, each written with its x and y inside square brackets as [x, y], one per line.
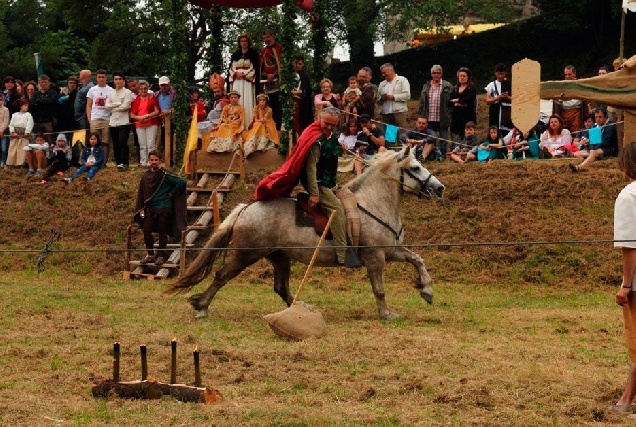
[519, 334]
[499, 354]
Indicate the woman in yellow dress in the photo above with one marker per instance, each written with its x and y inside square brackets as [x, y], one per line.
[227, 137]
[261, 134]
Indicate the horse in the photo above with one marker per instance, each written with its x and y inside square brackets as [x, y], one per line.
[268, 229]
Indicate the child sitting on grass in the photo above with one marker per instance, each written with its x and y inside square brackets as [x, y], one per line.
[467, 149]
[92, 159]
[60, 155]
[493, 147]
[35, 155]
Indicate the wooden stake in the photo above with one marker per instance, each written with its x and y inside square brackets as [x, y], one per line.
[144, 362]
[216, 210]
[314, 256]
[197, 367]
[116, 355]
[173, 362]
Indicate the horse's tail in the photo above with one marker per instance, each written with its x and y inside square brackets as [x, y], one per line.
[202, 265]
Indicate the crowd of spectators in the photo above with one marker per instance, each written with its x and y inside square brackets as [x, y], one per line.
[246, 111]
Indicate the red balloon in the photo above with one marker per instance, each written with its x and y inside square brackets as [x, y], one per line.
[207, 4]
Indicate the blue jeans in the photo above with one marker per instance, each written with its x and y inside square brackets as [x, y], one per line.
[83, 169]
[4, 144]
[443, 134]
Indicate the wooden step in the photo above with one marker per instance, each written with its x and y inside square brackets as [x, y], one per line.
[176, 245]
[200, 227]
[164, 265]
[219, 171]
[209, 190]
[200, 208]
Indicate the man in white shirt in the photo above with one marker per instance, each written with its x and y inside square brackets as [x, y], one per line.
[499, 98]
[98, 115]
[393, 93]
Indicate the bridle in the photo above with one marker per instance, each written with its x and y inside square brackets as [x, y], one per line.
[424, 190]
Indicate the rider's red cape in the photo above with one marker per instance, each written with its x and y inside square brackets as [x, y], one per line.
[282, 182]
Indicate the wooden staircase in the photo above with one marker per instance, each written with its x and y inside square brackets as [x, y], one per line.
[208, 220]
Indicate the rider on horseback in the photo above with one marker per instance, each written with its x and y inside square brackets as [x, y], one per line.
[319, 178]
[314, 161]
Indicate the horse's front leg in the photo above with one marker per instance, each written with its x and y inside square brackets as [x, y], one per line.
[375, 269]
[423, 283]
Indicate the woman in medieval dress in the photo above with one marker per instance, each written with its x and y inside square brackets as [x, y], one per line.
[243, 76]
[262, 133]
[228, 136]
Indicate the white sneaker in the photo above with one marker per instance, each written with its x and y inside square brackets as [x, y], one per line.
[120, 166]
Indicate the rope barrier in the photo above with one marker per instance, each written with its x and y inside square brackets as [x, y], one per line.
[458, 143]
[412, 246]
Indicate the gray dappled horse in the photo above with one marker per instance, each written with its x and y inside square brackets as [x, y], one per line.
[268, 229]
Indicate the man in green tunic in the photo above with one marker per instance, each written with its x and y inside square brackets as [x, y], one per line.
[319, 179]
[161, 207]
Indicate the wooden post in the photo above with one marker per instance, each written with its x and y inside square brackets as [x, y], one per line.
[167, 141]
[173, 361]
[182, 254]
[128, 243]
[290, 143]
[241, 159]
[216, 214]
[144, 362]
[621, 48]
[197, 367]
[116, 362]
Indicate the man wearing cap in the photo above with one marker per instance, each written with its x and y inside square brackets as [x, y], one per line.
[421, 137]
[314, 161]
[269, 68]
[371, 136]
[165, 95]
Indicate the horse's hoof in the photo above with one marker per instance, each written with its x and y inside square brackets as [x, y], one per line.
[427, 297]
[390, 315]
[201, 314]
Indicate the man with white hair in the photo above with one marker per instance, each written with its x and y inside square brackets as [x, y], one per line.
[393, 94]
[314, 162]
[86, 83]
[434, 105]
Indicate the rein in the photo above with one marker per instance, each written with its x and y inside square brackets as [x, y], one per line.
[383, 223]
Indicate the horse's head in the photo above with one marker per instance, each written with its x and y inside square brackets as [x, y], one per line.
[416, 178]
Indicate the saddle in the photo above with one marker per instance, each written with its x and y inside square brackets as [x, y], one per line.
[307, 216]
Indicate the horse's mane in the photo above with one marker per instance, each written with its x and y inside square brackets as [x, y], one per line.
[379, 162]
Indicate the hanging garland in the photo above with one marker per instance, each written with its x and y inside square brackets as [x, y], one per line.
[178, 73]
[287, 73]
[320, 42]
